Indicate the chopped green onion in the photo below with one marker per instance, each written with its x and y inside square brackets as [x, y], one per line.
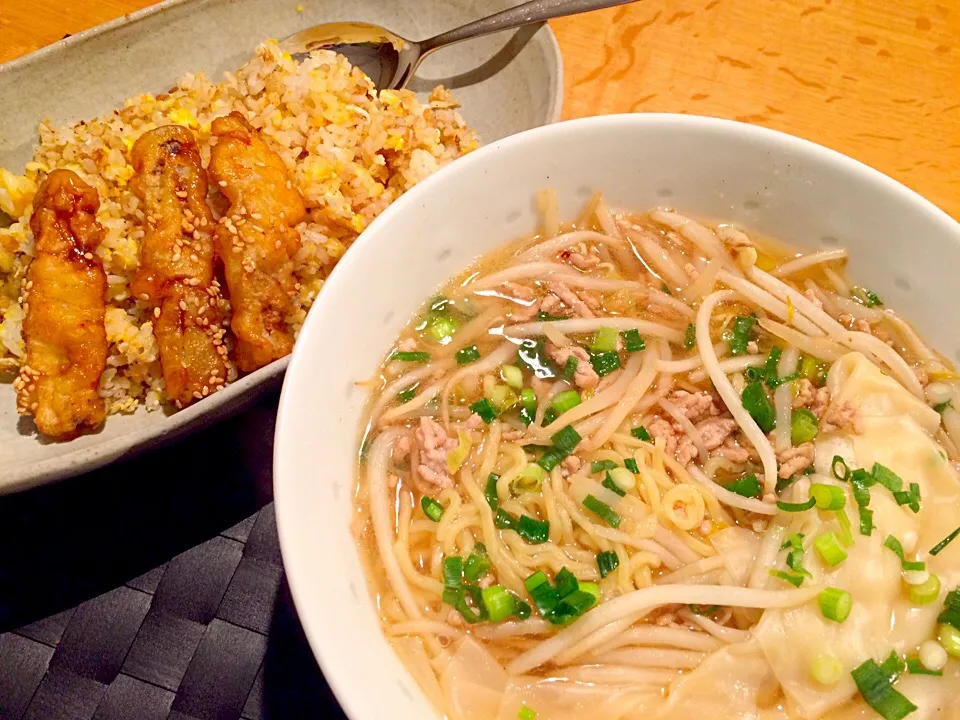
[440, 327]
[747, 486]
[607, 561]
[551, 458]
[405, 396]
[565, 601]
[846, 537]
[756, 402]
[549, 416]
[861, 481]
[499, 602]
[690, 336]
[740, 335]
[910, 498]
[949, 638]
[605, 340]
[532, 355]
[938, 548]
[632, 341]
[803, 427]
[640, 433]
[665, 288]
[591, 589]
[623, 478]
[526, 713]
[566, 440]
[868, 298]
[530, 478]
[503, 398]
[535, 532]
[784, 483]
[951, 610]
[926, 592]
[866, 521]
[753, 374]
[795, 556]
[826, 670]
[886, 477]
[940, 407]
[411, 356]
[547, 317]
[915, 667]
[490, 492]
[453, 571]
[770, 366]
[875, 684]
[570, 368]
[703, 609]
[565, 582]
[796, 507]
[610, 485]
[467, 355]
[829, 548]
[544, 595]
[485, 409]
[828, 497]
[631, 465]
[598, 466]
[528, 406]
[600, 508]
[835, 604]
[795, 580]
[810, 369]
[431, 508]
[893, 544]
[839, 469]
[504, 520]
[563, 401]
[478, 564]
[604, 363]
[512, 376]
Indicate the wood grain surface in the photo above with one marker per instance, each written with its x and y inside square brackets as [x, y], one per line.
[876, 79]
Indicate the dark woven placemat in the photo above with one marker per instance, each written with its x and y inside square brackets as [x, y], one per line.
[154, 589]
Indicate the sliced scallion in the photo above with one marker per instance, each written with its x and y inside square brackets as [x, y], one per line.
[747, 486]
[477, 565]
[607, 561]
[875, 684]
[893, 544]
[756, 402]
[526, 713]
[915, 667]
[528, 406]
[829, 548]
[566, 440]
[632, 342]
[839, 468]
[796, 507]
[512, 376]
[835, 604]
[803, 427]
[598, 466]
[467, 355]
[605, 340]
[926, 592]
[949, 637]
[490, 492]
[570, 368]
[740, 334]
[604, 363]
[610, 485]
[826, 670]
[640, 433]
[431, 508]
[938, 548]
[405, 396]
[417, 357]
[631, 465]
[499, 602]
[828, 497]
[485, 409]
[563, 401]
[604, 511]
[690, 336]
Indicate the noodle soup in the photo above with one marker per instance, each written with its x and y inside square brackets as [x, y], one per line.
[643, 467]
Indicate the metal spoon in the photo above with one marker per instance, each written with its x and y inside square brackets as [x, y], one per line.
[390, 60]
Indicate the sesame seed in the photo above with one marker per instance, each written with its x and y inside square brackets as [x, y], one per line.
[183, 305]
[88, 256]
[156, 312]
[222, 183]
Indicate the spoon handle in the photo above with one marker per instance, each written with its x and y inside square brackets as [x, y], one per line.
[529, 12]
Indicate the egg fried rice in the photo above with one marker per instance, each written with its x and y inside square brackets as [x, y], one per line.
[352, 150]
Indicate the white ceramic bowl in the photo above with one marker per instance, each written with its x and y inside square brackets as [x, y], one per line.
[901, 246]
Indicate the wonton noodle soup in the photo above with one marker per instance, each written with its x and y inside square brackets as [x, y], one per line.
[638, 467]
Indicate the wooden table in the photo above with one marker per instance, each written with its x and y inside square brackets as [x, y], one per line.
[876, 79]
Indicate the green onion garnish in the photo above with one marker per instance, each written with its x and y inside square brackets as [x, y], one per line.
[910, 498]
[753, 374]
[485, 409]
[530, 479]
[605, 340]
[549, 416]
[886, 477]
[566, 440]
[607, 561]
[600, 508]
[490, 492]
[532, 355]
[535, 532]
[770, 366]
[610, 485]
[528, 406]
[563, 401]
[453, 571]
[640, 433]
[411, 356]
[690, 336]
[915, 667]
[512, 376]
[598, 466]
[632, 341]
[868, 298]
[564, 602]
[829, 548]
[803, 427]
[431, 508]
[740, 335]
[875, 684]
[835, 604]
[940, 407]
[440, 327]
[828, 497]
[839, 468]
[747, 486]
[551, 458]
[565, 582]
[946, 541]
[796, 507]
[795, 555]
[526, 713]
[795, 580]
[861, 481]
[665, 288]
[951, 610]
[703, 609]
[478, 564]
[405, 396]
[631, 465]
[604, 363]
[949, 638]
[893, 544]
[756, 402]
[499, 602]
[545, 596]
[846, 537]
[547, 317]
[570, 368]
[826, 669]
[926, 592]
[467, 355]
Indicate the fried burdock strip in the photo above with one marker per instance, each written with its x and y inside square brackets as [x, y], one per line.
[65, 300]
[176, 273]
[256, 240]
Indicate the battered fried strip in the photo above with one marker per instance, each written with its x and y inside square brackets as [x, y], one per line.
[65, 300]
[256, 240]
[176, 263]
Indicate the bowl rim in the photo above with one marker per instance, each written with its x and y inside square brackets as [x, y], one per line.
[293, 559]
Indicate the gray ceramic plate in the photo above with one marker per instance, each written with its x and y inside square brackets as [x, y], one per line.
[507, 83]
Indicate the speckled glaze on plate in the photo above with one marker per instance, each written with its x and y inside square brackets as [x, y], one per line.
[507, 83]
